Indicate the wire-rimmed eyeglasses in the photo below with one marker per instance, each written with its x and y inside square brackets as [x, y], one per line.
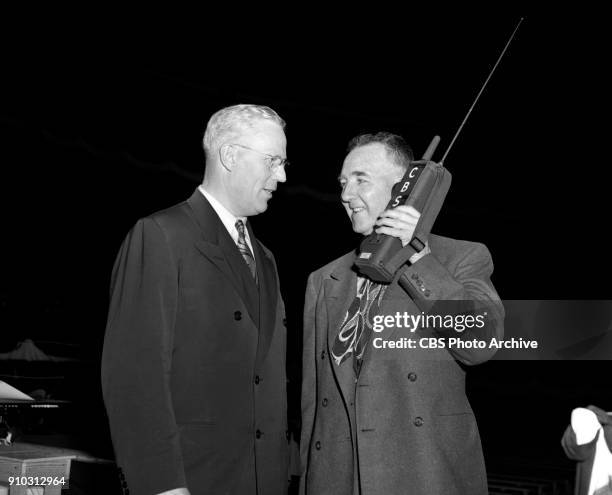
[275, 162]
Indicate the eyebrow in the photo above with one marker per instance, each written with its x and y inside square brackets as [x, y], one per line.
[354, 174]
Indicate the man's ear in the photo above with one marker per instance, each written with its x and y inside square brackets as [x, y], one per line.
[227, 156]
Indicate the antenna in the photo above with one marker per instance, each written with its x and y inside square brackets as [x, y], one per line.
[481, 90]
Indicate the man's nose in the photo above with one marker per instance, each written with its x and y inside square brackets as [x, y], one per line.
[280, 175]
[347, 193]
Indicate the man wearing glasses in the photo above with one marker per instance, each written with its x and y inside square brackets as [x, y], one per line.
[193, 369]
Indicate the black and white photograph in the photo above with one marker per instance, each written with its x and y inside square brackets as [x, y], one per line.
[355, 256]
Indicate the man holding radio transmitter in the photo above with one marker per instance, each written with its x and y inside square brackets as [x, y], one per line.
[378, 418]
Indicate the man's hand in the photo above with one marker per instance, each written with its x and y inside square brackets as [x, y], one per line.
[398, 222]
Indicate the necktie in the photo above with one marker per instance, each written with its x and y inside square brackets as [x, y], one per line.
[356, 329]
[244, 249]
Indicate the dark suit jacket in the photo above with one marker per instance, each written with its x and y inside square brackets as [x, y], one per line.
[406, 421]
[193, 369]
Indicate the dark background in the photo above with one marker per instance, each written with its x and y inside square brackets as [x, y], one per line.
[99, 128]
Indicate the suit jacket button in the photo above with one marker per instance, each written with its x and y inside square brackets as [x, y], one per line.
[324, 402]
[257, 379]
[322, 354]
[318, 445]
[412, 377]
[237, 315]
[258, 434]
[418, 421]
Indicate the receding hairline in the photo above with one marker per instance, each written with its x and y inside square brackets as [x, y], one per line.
[388, 154]
[236, 119]
[398, 150]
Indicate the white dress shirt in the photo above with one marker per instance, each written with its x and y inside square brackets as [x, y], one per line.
[228, 219]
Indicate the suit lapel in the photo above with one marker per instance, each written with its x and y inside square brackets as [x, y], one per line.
[340, 290]
[268, 297]
[249, 291]
[217, 245]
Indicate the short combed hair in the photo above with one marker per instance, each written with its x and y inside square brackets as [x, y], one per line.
[231, 120]
[395, 145]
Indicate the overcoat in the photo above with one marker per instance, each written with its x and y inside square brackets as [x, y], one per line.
[193, 368]
[404, 425]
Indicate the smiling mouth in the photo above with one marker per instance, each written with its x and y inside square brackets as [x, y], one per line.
[357, 210]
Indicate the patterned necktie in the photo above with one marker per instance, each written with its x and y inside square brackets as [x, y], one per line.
[356, 329]
[244, 249]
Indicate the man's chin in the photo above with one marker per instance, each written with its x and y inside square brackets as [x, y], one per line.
[359, 228]
[257, 209]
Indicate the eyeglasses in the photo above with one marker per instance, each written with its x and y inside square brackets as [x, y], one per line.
[274, 161]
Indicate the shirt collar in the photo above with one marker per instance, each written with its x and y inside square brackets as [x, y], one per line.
[226, 217]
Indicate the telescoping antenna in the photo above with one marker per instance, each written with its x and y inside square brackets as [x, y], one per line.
[441, 162]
